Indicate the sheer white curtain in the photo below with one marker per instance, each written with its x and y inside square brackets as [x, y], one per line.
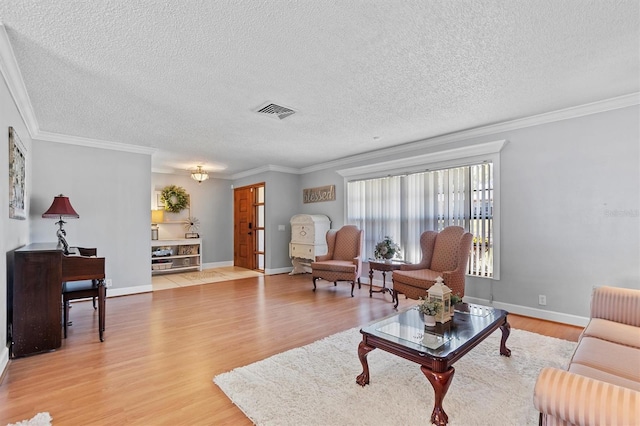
[374, 206]
[403, 207]
[433, 201]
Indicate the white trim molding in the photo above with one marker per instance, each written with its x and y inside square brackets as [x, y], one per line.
[549, 117]
[263, 169]
[93, 143]
[115, 292]
[4, 360]
[417, 163]
[12, 75]
[532, 312]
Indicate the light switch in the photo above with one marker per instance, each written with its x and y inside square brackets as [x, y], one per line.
[280, 227]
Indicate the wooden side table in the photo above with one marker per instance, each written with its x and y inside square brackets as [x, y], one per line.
[384, 267]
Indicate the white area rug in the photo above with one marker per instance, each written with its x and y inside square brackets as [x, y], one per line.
[316, 384]
[40, 419]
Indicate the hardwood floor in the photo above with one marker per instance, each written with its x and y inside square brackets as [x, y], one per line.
[162, 350]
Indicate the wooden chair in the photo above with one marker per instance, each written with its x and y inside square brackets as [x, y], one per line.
[444, 254]
[342, 261]
[95, 289]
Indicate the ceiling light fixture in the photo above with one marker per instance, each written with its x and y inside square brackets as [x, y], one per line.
[199, 175]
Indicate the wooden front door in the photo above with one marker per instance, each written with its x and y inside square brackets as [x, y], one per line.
[248, 227]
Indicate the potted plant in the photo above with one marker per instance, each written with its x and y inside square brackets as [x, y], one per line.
[386, 249]
[429, 309]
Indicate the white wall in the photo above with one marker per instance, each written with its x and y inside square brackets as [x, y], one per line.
[15, 233]
[110, 191]
[212, 205]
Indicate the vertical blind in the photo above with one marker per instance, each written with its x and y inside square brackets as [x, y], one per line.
[402, 207]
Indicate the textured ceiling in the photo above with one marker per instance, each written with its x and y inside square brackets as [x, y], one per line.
[186, 77]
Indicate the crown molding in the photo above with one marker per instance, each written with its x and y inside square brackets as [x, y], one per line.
[535, 120]
[172, 171]
[267, 168]
[93, 143]
[416, 162]
[13, 77]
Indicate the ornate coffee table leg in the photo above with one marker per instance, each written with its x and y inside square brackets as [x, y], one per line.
[440, 383]
[363, 351]
[506, 330]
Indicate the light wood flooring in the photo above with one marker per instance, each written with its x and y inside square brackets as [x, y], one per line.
[162, 350]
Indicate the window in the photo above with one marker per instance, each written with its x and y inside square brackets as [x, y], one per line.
[404, 206]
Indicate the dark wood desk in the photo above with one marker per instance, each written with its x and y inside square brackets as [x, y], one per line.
[34, 293]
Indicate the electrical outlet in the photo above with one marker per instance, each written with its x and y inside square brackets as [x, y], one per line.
[108, 282]
[280, 227]
[542, 300]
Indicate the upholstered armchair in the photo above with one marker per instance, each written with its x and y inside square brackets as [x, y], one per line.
[343, 261]
[444, 254]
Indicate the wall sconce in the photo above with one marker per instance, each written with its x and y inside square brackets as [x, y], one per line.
[61, 207]
[199, 175]
[157, 216]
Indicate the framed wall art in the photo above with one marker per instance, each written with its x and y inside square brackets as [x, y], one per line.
[319, 194]
[17, 176]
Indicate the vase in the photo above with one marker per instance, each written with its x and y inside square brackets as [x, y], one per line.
[388, 260]
[429, 320]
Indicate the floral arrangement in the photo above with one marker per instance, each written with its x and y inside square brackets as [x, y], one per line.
[429, 307]
[386, 249]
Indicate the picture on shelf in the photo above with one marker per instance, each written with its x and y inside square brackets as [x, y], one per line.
[188, 249]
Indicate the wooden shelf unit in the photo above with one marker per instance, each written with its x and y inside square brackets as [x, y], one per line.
[186, 255]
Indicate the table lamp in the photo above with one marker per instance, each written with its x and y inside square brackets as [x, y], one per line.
[61, 207]
[157, 216]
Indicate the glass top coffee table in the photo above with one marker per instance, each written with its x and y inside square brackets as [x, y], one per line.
[434, 348]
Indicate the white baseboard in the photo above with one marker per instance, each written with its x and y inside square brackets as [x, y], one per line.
[211, 265]
[532, 312]
[278, 271]
[113, 292]
[4, 360]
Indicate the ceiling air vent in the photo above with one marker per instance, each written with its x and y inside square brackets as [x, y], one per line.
[275, 110]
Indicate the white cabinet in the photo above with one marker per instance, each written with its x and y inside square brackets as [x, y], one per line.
[308, 240]
[176, 255]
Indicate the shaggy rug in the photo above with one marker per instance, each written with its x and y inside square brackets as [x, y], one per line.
[40, 419]
[316, 384]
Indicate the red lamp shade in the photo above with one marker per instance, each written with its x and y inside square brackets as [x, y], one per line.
[61, 207]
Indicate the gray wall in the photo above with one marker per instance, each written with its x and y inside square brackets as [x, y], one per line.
[570, 206]
[110, 191]
[561, 186]
[212, 205]
[332, 209]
